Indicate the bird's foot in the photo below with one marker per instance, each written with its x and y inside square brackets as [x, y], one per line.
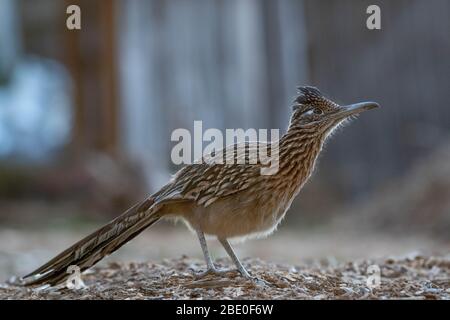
[258, 281]
[211, 271]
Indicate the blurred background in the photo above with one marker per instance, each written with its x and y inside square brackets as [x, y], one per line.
[86, 117]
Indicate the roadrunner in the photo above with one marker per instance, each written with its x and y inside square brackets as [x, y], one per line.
[223, 200]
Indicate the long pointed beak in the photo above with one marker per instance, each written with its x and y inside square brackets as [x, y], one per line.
[356, 108]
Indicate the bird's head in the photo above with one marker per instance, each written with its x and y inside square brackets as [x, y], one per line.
[312, 110]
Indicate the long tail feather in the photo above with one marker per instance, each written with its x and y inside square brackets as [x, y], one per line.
[88, 251]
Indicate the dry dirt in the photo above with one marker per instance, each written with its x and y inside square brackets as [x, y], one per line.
[415, 277]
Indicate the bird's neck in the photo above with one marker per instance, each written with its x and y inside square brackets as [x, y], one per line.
[299, 144]
[299, 148]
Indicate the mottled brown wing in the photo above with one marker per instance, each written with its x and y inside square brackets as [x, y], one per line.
[213, 178]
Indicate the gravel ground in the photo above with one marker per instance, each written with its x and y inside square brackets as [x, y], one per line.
[413, 277]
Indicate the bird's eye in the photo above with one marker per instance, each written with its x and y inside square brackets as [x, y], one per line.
[317, 111]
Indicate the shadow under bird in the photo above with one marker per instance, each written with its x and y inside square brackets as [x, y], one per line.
[224, 200]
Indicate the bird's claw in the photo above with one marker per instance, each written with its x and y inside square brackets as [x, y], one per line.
[211, 271]
[257, 281]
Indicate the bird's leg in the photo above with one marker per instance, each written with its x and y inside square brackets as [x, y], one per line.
[235, 259]
[238, 263]
[210, 267]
